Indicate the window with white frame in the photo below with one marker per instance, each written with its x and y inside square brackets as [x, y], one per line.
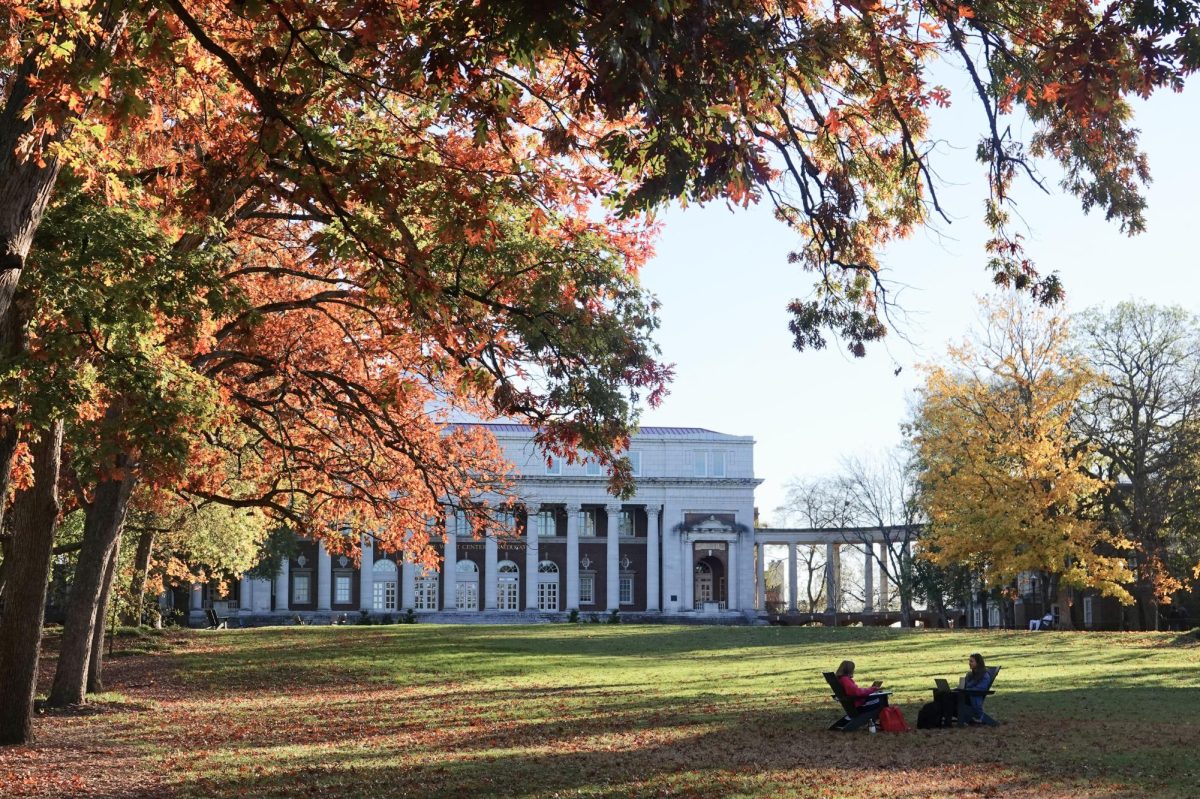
[426, 596]
[592, 468]
[554, 465]
[587, 524]
[343, 588]
[587, 589]
[699, 463]
[717, 464]
[635, 463]
[301, 588]
[546, 524]
[625, 524]
[626, 589]
[384, 576]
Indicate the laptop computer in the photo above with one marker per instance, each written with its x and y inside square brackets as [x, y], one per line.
[941, 684]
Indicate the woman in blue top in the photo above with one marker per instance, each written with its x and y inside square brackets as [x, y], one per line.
[977, 679]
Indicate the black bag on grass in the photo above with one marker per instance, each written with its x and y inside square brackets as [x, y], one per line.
[929, 717]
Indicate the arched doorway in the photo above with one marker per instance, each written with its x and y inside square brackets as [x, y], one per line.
[466, 588]
[547, 583]
[709, 583]
[384, 576]
[508, 577]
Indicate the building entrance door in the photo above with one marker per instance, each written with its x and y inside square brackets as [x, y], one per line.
[709, 583]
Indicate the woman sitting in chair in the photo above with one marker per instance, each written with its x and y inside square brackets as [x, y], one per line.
[978, 679]
[864, 698]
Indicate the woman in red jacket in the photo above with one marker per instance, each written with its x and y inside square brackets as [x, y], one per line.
[865, 698]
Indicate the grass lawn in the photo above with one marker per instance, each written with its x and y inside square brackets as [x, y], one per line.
[614, 711]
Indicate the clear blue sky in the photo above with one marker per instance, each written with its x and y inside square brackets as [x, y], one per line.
[724, 282]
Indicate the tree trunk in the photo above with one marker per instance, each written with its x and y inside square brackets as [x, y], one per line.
[1062, 598]
[102, 527]
[137, 585]
[35, 520]
[95, 681]
[25, 189]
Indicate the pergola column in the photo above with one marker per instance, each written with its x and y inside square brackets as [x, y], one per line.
[793, 586]
[197, 597]
[831, 586]
[612, 558]
[761, 550]
[573, 556]
[652, 565]
[687, 572]
[884, 585]
[246, 594]
[869, 578]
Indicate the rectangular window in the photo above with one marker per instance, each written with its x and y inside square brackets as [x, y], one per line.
[587, 524]
[548, 595]
[592, 469]
[635, 462]
[625, 524]
[699, 463]
[626, 594]
[546, 526]
[427, 594]
[587, 589]
[553, 465]
[342, 589]
[301, 588]
[718, 464]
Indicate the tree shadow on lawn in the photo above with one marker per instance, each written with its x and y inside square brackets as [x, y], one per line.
[759, 754]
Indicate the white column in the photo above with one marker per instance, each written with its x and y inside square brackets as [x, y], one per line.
[246, 594]
[830, 579]
[612, 561]
[408, 583]
[489, 570]
[573, 557]
[197, 596]
[652, 566]
[869, 578]
[324, 576]
[884, 586]
[450, 563]
[793, 577]
[837, 576]
[733, 580]
[283, 586]
[687, 572]
[672, 587]
[366, 575]
[261, 589]
[531, 561]
[761, 551]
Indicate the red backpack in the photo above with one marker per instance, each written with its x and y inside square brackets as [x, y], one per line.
[892, 720]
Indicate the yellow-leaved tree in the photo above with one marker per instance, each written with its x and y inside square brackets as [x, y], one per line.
[1002, 477]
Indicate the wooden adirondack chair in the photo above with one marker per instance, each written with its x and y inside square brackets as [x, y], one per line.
[964, 694]
[216, 622]
[856, 717]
